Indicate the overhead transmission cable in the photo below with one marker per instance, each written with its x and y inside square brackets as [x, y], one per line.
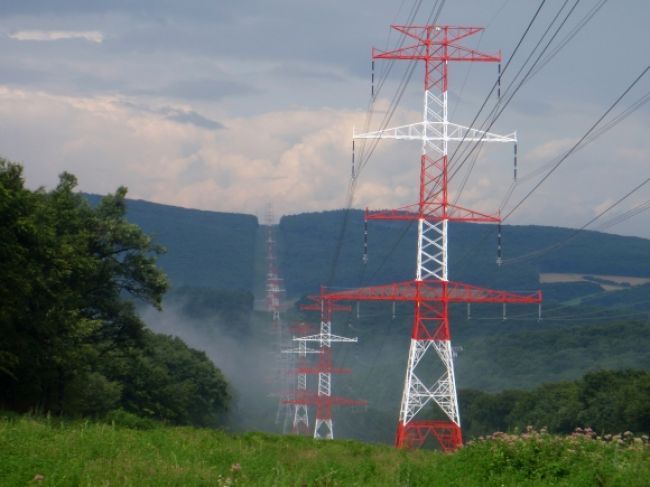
[585, 140]
[386, 72]
[595, 135]
[512, 56]
[632, 212]
[536, 69]
[503, 71]
[435, 12]
[533, 71]
[433, 17]
[577, 144]
[509, 94]
[557, 245]
[570, 35]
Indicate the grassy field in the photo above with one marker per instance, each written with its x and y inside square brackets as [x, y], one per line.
[49, 452]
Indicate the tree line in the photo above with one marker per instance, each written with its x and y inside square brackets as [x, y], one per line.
[606, 401]
[71, 341]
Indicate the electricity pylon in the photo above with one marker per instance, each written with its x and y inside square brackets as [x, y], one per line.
[431, 291]
[323, 398]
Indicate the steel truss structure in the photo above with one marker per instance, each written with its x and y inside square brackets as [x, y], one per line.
[274, 291]
[323, 398]
[431, 291]
[300, 423]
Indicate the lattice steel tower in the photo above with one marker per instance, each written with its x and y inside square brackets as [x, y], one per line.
[323, 398]
[274, 290]
[302, 369]
[431, 291]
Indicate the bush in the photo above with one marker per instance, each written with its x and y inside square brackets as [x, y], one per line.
[120, 417]
[91, 394]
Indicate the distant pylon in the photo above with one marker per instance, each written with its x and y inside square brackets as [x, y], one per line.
[300, 423]
[431, 291]
[273, 281]
[323, 399]
[274, 290]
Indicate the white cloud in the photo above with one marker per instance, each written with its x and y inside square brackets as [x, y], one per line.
[550, 149]
[57, 35]
[299, 159]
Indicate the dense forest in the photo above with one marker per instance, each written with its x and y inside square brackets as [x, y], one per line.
[608, 402]
[206, 249]
[72, 341]
[312, 242]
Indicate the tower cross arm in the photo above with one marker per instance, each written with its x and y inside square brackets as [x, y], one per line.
[435, 43]
[411, 52]
[300, 351]
[433, 131]
[423, 33]
[453, 292]
[322, 337]
[416, 52]
[460, 133]
[311, 398]
[411, 131]
[320, 370]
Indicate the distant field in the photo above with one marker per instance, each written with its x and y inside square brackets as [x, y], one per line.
[46, 452]
[607, 282]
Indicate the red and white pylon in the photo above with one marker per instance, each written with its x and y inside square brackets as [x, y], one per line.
[300, 423]
[431, 291]
[323, 398]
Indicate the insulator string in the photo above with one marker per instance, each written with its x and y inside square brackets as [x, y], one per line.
[499, 256]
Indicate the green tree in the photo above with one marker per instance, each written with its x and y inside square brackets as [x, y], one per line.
[167, 380]
[72, 342]
[65, 271]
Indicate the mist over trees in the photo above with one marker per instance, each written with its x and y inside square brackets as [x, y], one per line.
[72, 342]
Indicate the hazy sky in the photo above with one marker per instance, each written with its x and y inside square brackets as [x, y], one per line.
[226, 105]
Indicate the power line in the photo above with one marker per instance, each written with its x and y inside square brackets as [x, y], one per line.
[353, 181]
[626, 216]
[492, 113]
[512, 56]
[534, 69]
[595, 135]
[435, 13]
[510, 92]
[528, 75]
[557, 245]
[577, 28]
[577, 144]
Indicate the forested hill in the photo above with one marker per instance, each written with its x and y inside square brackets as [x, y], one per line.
[204, 248]
[310, 241]
[217, 250]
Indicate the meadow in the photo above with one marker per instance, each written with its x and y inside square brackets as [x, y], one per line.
[47, 451]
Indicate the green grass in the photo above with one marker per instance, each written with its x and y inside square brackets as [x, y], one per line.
[49, 452]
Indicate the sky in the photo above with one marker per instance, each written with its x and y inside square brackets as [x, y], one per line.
[231, 105]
